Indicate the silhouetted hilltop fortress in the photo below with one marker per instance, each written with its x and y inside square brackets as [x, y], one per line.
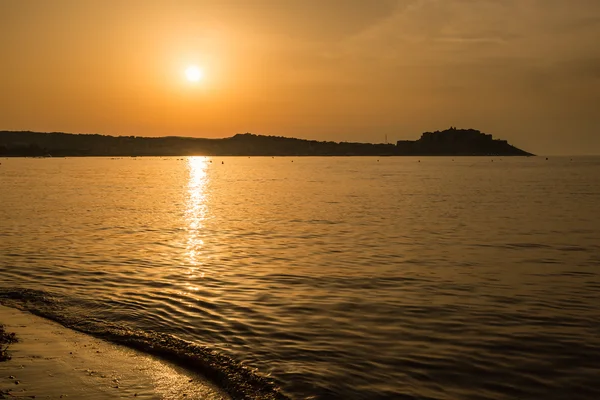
[451, 142]
[458, 142]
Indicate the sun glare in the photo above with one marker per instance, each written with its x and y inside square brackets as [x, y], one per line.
[193, 73]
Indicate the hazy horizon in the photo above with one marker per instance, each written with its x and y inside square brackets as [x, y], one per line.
[523, 71]
[242, 133]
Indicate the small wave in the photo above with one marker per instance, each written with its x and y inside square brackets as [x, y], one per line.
[527, 246]
[240, 381]
[572, 248]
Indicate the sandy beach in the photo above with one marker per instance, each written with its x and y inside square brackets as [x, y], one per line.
[53, 362]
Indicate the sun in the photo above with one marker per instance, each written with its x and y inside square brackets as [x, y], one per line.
[193, 73]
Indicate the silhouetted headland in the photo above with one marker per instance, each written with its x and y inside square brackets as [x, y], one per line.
[450, 142]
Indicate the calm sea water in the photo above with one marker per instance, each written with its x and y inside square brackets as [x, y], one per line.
[338, 278]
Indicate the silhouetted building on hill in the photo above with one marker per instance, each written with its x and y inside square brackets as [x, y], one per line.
[457, 142]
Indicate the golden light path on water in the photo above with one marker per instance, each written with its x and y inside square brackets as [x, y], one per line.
[195, 215]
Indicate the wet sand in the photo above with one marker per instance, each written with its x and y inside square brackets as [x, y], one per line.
[53, 362]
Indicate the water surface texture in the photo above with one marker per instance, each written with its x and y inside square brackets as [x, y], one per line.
[340, 278]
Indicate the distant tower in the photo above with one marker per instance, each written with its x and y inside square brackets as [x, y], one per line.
[386, 138]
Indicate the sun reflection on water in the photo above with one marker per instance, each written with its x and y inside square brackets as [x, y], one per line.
[195, 214]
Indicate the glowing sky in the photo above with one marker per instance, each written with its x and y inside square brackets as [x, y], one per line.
[524, 70]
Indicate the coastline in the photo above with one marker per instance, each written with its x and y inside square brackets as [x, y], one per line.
[450, 142]
[50, 362]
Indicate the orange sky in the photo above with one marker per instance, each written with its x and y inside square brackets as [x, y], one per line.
[524, 70]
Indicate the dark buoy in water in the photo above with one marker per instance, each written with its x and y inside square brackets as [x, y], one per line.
[546, 158]
[222, 162]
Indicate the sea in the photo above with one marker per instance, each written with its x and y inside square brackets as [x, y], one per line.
[321, 277]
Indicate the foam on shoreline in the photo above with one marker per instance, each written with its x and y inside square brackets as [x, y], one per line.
[235, 378]
[51, 361]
